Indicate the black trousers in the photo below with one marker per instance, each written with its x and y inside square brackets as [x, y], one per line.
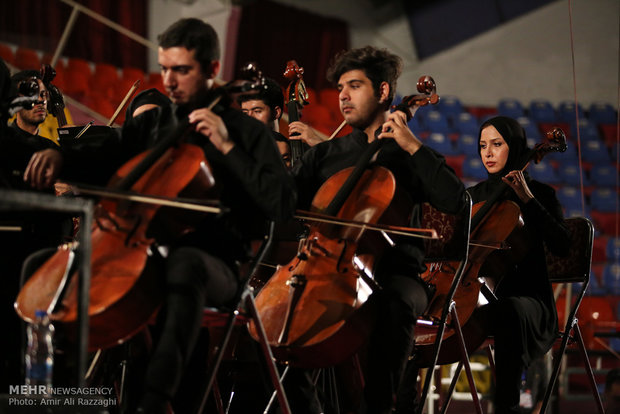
[510, 321]
[194, 279]
[398, 304]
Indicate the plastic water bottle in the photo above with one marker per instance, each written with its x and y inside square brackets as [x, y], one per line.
[525, 398]
[40, 352]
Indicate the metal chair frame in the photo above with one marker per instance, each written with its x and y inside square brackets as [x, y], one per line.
[440, 253]
[574, 268]
[245, 305]
[580, 257]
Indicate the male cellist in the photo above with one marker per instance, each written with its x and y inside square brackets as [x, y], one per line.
[366, 79]
[202, 268]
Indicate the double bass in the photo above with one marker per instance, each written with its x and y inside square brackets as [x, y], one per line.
[314, 309]
[297, 98]
[126, 283]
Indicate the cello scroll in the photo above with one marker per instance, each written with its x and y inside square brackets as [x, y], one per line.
[428, 96]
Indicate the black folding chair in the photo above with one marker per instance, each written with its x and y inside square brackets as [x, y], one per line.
[451, 249]
[244, 311]
[575, 268]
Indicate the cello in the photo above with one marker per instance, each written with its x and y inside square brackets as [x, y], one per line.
[494, 227]
[126, 284]
[314, 309]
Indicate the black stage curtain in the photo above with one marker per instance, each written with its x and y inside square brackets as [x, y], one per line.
[39, 25]
[271, 34]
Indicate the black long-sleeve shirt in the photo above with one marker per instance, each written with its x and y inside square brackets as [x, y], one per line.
[423, 176]
[252, 181]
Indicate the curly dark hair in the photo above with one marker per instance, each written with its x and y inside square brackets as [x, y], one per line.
[193, 34]
[379, 65]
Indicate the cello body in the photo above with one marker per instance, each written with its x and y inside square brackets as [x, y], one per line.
[495, 230]
[126, 279]
[315, 308]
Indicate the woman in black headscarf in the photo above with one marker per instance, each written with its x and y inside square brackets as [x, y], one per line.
[523, 320]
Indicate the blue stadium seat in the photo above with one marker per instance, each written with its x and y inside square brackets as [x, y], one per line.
[510, 107]
[450, 106]
[466, 123]
[542, 111]
[441, 143]
[595, 152]
[602, 113]
[576, 211]
[531, 129]
[604, 175]
[569, 197]
[416, 125]
[569, 174]
[611, 278]
[566, 111]
[474, 169]
[435, 121]
[544, 172]
[468, 144]
[587, 131]
[604, 200]
[612, 250]
[423, 112]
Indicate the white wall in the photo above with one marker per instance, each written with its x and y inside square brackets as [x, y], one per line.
[530, 58]
[527, 58]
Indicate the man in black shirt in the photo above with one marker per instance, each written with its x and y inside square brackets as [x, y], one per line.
[202, 267]
[36, 229]
[267, 106]
[366, 79]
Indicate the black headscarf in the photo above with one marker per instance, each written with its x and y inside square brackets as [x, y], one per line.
[514, 135]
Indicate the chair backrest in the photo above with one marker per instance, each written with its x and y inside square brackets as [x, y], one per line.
[453, 232]
[575, 267]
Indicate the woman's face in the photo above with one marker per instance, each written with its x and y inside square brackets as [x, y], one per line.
[493, 150]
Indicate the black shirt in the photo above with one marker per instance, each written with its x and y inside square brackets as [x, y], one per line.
[251, 180]
[17, 148]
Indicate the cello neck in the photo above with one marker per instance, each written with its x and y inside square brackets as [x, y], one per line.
[296, 145]
[338, 201]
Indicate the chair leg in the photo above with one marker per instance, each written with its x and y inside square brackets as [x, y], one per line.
[271, 365]
[215, 364]
[586, 362]
[556, 367]
[217, 395]
[574, 327]
[436, 347]
[465, 360]
[491, 360]
[455, 378]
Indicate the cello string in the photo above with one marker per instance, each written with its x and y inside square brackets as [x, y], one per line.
[617, 210]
